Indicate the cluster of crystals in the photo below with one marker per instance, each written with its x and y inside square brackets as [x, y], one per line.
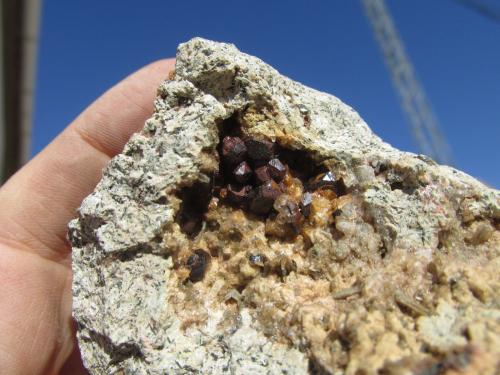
[257, 181]
[255, 173]
[275, 184]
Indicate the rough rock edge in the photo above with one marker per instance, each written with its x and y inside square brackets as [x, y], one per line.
[118, 260]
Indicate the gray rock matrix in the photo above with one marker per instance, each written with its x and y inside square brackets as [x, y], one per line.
[410, 223]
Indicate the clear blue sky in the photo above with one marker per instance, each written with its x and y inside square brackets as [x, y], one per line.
[88, 45]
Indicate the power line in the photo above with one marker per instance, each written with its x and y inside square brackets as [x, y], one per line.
[423, 123]
[482, 8]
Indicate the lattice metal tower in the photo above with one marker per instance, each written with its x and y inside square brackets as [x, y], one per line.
[424, 125]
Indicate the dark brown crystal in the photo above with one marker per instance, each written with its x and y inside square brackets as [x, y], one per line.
[324, 180]
[277, 170]
[260, 149]
[270, 190]
[262, 174]
[238, 194]
[197, 263]
[305, 204]
[289, 214]
[233, 149]
[257, 260]
[266, 195]
[286, 266]
[294, 217]
[242, 172]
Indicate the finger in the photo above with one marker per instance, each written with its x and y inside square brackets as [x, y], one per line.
[35, 308]
[74, 363]
[42, 197]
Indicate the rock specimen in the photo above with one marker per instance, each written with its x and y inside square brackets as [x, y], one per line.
[257, 226]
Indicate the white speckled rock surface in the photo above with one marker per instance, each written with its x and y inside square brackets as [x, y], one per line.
[419, 241]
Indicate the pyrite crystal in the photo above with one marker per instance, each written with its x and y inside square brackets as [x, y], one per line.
[257, 226]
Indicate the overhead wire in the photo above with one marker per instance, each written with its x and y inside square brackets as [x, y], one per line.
[483, 8]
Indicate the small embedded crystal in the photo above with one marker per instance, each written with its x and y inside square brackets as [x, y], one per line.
[257, 260]
[262, 174]
[266, 195]
[238, 194]
[260, 149]
[197, 263]
[277, 170]
[242, 172]
[233, 149]
[324, 180]
[305, 204]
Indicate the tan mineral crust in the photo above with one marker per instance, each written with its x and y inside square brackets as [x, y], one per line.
[257, 226]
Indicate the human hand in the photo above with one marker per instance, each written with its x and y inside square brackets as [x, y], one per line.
[36, 204]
